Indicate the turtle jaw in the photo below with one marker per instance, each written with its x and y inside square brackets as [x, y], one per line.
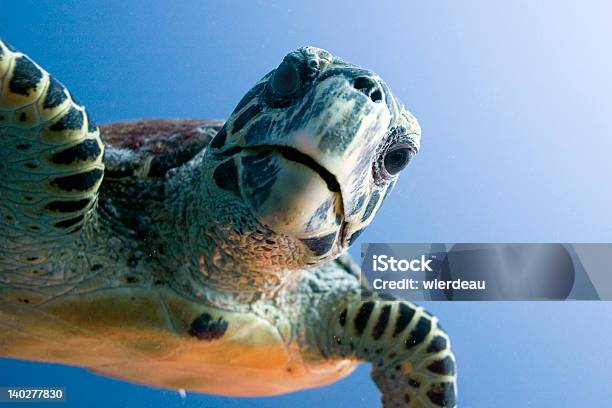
[291, 194]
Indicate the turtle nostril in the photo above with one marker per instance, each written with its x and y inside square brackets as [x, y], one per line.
[369, 87]
[376, 96]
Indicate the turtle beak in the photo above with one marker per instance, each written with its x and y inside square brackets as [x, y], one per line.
[341, 131]
[289, 192]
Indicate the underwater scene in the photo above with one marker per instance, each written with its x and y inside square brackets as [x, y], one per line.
[183, 184]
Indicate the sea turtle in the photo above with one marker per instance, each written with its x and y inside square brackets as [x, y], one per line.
[210, 258]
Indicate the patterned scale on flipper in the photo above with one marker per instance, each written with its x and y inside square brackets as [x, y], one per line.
[50, 163]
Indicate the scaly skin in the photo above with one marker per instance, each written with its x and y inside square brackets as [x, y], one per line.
[412, 363]
[235, 251]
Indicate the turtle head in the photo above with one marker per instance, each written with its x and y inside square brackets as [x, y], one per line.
[312, 151]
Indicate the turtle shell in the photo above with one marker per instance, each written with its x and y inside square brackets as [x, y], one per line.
[138, 155]
[149, 148]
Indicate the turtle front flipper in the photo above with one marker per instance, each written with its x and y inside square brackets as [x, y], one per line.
[50, 162]
[412, 363]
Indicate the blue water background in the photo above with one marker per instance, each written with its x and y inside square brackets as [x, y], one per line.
[515, 102]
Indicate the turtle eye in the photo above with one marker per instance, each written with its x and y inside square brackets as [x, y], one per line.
[397, 157]
[285, 79]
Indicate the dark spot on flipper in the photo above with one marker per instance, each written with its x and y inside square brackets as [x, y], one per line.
[363, 315]
[422, 329]
[67, 206]
[442, 394]
[87, 150]
[26, 76]
[96, 267]
[131, 279]
[406, 313]
[342, 318]
[22, 117]
[55, 94]
[204, 327]
[226, 176]
[70, 121]
[437, 344]
[23, 146]
[371, 205]
[355, 235]
[320, 245]
[446, 366]
[245, 117]
[414, 383]
[69, 222]
[381, 324]
[219, 140]
[78, 182]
